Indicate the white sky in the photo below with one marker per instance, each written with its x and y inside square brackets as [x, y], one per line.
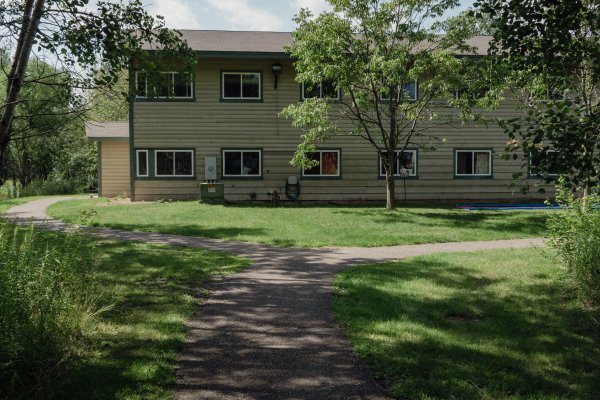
[262, 15]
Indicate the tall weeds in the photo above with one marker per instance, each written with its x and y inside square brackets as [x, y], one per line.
[47, 301]
[575, 236]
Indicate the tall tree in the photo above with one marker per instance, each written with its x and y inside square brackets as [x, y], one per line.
[551, 51]
[47, 133]
[374, 51]
[90, 45]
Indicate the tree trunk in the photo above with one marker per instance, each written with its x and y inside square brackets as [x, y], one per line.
[389, 162]
[391, 191]
[29, 28]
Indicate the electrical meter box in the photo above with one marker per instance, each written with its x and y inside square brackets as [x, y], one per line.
[210, 168]
[212, 191]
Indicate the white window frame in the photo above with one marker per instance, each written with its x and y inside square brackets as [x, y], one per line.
[416, 82]
[137, 164]
[415, 161]
[531, 161]
[173, 73]
[242, 151]
[320, 175]
[456, 151]
[241, 73]
[156, 151]
[338, 93]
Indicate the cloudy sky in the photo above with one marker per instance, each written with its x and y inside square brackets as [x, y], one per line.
[263, 15]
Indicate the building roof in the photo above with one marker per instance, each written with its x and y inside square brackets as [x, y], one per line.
[112, 130]
[266, 43]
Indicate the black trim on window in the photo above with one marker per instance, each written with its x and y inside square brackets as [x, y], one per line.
[242, 177]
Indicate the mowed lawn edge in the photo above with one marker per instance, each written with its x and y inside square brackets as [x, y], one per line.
[150, 292]
[482, 325]
[307, 226]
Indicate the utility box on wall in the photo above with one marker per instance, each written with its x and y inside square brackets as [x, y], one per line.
[210, 168]
[212, 191]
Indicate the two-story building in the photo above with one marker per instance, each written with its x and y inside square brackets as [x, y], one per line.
[224, 121]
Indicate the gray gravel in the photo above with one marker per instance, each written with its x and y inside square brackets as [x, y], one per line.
[268, 332]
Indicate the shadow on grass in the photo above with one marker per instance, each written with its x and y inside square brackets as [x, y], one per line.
[189, 230]
[525, 343]
[509, 222]
[152, 289]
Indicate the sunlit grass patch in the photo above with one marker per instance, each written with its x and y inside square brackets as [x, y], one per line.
[309, 226]
[485, 325]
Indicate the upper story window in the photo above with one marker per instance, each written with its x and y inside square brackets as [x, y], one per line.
[406, 164]
[170, 85]
[241, 86]
[325, 90]
[409, 92]
[242, 163]
[473, 163]
[329, 164]
[174, 163]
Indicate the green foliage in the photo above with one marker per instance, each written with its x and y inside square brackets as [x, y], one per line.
[47, 302]
[474, 326]
[550, 53]
[575, 236]
[48, 140]
[371, 50]
[89, 47]
[110, 104]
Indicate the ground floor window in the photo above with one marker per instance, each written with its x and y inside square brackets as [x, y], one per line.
[406, 164]
[473, 163]
[174, 163]
[142, 163]
[329, 164]
[548, 162]
[242, 163]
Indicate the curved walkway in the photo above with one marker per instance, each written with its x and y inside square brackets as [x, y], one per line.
[268, 331]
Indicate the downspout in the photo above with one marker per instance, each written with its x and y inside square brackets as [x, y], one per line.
[132, 159]
[99, 168]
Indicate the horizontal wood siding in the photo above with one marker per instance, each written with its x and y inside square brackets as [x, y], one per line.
[208, 125]
[115, 169]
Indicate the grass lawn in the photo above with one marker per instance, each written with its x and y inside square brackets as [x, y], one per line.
[309, 226]
[486, 325]
[151, 290]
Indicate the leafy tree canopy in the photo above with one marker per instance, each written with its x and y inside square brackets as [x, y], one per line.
[89, 46]
[551, 53]
[374, 51]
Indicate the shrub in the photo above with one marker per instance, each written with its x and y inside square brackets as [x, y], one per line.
[575, 236]
[46, 302]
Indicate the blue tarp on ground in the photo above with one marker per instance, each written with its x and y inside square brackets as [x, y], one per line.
[496, 207]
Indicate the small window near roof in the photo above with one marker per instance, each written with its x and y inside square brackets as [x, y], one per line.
[174, 163]
[407, 161]
[329, 164]
[241, 86]
[142, 163]
[325, 90]
[473, 163]
[242, 163]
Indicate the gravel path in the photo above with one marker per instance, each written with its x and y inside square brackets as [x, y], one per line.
[268, 331]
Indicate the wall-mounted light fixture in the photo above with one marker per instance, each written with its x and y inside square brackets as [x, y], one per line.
[277, 68]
